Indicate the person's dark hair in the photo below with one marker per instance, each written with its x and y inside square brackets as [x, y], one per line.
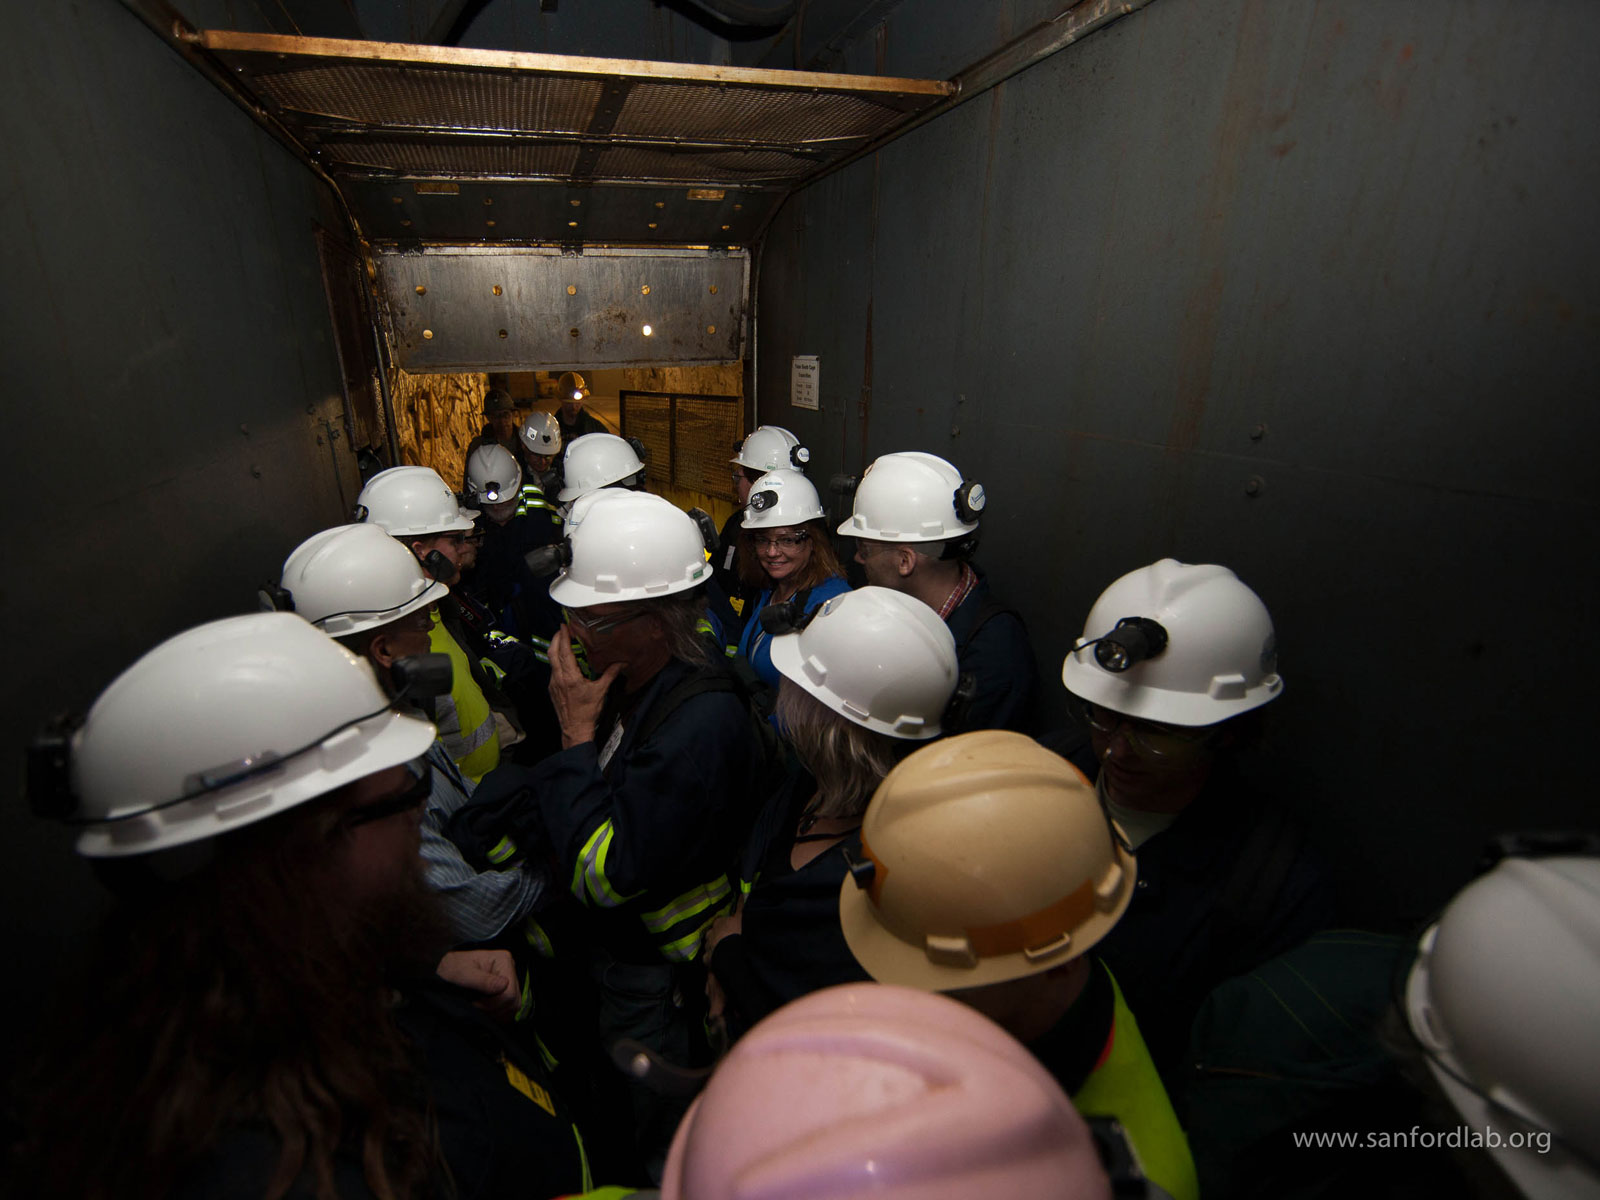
[847, 760]
[238, 997]
[824, 564]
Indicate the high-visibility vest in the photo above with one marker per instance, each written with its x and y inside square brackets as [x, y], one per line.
[1125, 1085]
[465, 720]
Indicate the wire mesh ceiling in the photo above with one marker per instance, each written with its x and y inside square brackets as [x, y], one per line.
[566, 148]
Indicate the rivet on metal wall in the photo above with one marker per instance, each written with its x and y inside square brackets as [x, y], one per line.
[713, 289]
[573, 331]
[495, 289]
[652, 224]
[421, 291]
[1254, 485]
[647, 330]
[504, 334]
[737, 207]
[645, 290]
[572, 289]
[397, 199]
[572, 224]
[1259, 432]
[711, 328]
[661, 203]
[575, 203]
[490, 222]
[427, 335]
[488, 199]
[725, 228]
[407, 224]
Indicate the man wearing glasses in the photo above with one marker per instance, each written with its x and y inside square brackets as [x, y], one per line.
[361, 587]
[1170, 677]
[653, 791]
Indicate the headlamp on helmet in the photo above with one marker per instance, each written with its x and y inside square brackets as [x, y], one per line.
[1130, 642]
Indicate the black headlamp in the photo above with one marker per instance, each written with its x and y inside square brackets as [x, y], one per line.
[491, 491]
[763, 500]
[778, 620]
[547, 560]
[707, 527]
[274, 598]
[1133, 640]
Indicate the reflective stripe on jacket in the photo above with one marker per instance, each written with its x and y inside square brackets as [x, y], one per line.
[1124, 1085]
[465, 720]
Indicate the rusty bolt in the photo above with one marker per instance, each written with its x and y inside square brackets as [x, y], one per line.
[1254, 485]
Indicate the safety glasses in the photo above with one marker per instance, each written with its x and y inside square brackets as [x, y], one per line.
[413, 797]
[1149, 739]
[596, 626]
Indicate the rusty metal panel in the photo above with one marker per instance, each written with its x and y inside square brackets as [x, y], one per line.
[497, 308]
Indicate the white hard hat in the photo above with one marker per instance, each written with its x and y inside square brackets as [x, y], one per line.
[1502, 1000]
[872, 1092]
[205, 715]
[779, 498]
[594, 461]
[412, 502]
[628, 546]
[541, 434]
[877, 657]
[1219, 659]
[914, 497]
[353, 578]
[771, 447]
[493, 476]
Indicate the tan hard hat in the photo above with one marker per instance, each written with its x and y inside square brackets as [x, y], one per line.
[991, 860]
[570, 384]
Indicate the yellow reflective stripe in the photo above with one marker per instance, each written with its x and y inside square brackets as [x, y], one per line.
[525, 1009]
[534, 934]
[730, 651]
[503, 849]
[590, 871]
[493, 668]
[550, 1061]
[693, 902]
[588, 1177]
[703, 626]
[687, 948]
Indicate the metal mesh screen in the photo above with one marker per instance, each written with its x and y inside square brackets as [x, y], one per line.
[689, 439]
[746, 113]
[423, 98]
[705, 428]
[450, 158]
[649, 418]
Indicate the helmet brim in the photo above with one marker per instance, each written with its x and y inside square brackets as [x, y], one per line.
[889, 959]
[394, 737]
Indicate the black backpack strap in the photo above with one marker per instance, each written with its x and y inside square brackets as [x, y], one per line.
[704, 680]
[988, 609]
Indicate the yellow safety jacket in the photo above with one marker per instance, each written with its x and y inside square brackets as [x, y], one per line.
[465, 720]
[1124, 1085]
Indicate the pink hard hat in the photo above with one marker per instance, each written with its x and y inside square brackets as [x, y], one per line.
[872, 1090]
